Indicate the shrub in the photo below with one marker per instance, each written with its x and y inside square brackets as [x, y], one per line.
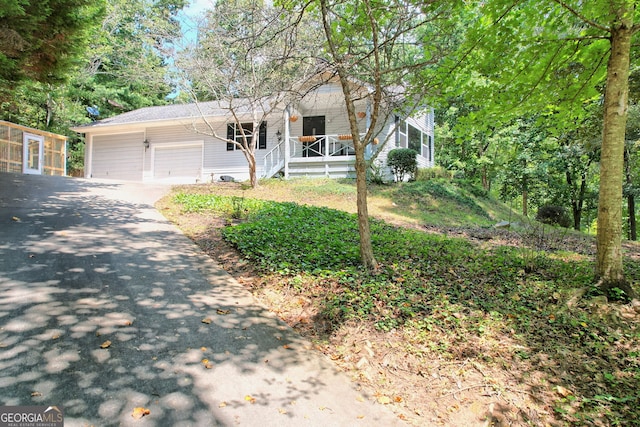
[553, 215]
[402, 162]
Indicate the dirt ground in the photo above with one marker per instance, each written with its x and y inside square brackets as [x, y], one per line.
[483, 384]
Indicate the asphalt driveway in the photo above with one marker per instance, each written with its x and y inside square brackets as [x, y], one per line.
[105, 307]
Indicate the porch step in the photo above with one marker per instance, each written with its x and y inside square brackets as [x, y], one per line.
[322, 170]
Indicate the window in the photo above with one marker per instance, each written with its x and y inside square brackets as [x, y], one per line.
[415, 139]
[401, 136]
[234, 132]
[409, 136]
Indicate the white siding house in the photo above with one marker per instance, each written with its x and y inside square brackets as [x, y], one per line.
[309, 137]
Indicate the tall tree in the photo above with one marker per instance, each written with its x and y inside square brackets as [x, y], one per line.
[130, 56]
[380, 45]
[41, 40]
[552, 66]
[249, 55]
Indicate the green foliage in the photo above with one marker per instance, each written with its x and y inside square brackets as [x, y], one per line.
[310, 239]
[437, 191]
[110, 54]
[443, 292]
[41, 41]
[232, 207]
[403, 162]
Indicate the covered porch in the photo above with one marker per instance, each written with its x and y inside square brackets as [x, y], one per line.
[312, 155]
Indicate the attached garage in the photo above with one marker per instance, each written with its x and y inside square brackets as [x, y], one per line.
[175, 163]
[118, 157]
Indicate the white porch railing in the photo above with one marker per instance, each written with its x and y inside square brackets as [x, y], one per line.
[274, 160]
[327, 146]
[302, 149]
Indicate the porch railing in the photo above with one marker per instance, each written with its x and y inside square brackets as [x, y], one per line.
[326, 146]
[274, 160]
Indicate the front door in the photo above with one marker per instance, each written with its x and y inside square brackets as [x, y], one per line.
[313, 125]
[32, 155]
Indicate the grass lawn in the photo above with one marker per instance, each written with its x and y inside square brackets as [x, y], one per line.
[462, 324]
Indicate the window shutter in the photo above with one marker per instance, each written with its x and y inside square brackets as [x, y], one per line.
[262, 136]
[231, 128]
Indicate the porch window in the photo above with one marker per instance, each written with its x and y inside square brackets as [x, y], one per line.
[234, 132]
[408, 136]
[415, 139]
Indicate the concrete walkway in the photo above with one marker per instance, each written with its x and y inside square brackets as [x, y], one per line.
[87, 264]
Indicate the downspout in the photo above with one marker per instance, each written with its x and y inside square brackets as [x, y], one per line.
[88, 157]
[287, 151]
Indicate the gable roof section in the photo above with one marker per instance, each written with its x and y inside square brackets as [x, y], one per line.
[168, 113]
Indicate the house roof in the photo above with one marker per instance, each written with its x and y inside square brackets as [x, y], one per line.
[175, 112]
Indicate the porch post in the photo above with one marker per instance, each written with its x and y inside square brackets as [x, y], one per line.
[287, 133]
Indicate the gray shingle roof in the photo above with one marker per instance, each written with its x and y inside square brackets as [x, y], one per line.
[170, 112]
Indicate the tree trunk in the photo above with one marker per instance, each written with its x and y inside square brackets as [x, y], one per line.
[631, 206]
[253, 175]
[631, 200]
[609, 270]
[366, 246]
[485, 179]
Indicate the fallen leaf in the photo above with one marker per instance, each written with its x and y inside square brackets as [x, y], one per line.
[207, 364]
[384, 400]
[140, 412]
[221, 311]
[397, 399]
[286, 346]
[562, 391]
[15, 218]
[203, 348]
[222, 404]
[127, 323]
[282, 411]
[250, 398]
[207, 320]
[360, 417]
[105, 344]
[55, 336]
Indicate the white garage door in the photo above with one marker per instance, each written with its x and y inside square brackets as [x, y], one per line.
[178, 164]
[118, 157]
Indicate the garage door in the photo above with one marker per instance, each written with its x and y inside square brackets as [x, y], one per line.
[182, 163]
[118, 157]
